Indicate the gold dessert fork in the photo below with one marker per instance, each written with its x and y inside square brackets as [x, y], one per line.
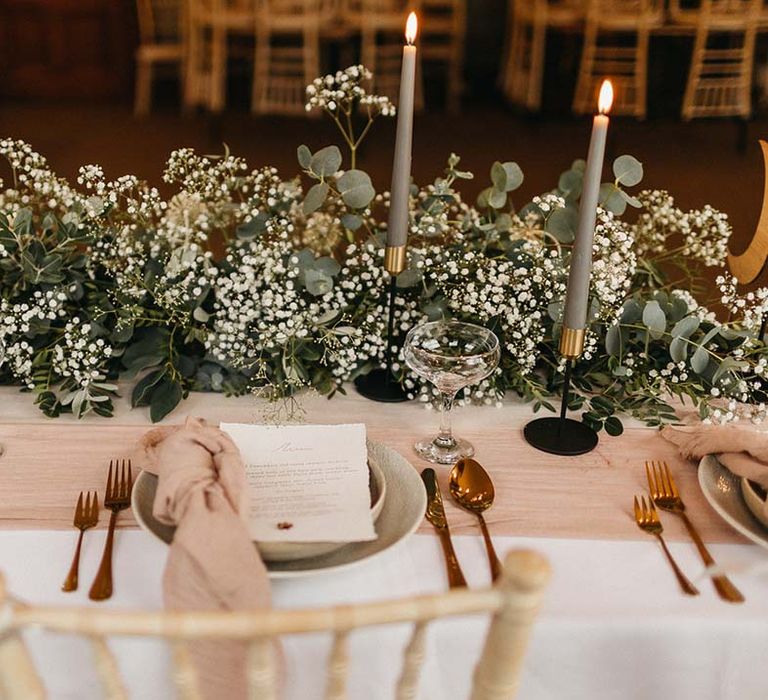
[86, 517]
[647, 519]
[666, 496]
[117, 497]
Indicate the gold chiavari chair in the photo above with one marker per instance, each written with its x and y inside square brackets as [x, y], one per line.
[443, 36]
[161, 41]
[381, 25]
[282, 72]
[616, 38]
[522, 71]
[720, 77]
[210, 24]
[512, 605]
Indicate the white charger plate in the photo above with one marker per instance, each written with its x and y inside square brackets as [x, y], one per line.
[722, 488]
[405, 502]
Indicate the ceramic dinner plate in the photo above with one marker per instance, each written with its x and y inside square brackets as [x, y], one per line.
[722, 489]
[405, 502]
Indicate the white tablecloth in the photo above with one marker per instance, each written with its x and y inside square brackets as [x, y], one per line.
[614, 624]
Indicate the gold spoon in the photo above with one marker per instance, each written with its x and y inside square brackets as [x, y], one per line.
[472, 488]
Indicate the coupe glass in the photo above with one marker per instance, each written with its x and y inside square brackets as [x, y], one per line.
[451, 355]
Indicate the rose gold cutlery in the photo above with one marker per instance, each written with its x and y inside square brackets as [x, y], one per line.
[666, 496]
[117, 497]
[436, 515]
[86, 517]
[472, 488]
[647, 519]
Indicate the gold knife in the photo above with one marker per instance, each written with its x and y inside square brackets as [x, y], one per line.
[436, 515]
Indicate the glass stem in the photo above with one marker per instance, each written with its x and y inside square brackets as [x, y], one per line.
[445, 436]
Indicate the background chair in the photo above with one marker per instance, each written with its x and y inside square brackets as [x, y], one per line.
[720, 77]
[522, 70]
[210, 24]
[282, 72]
[513, 604]
[444, 29]
[161, 41]
[616, 38]
[381, 26]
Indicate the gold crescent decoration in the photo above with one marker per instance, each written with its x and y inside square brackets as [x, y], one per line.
[748, 266]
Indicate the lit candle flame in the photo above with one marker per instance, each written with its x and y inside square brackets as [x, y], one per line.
[411, 28]
[605, 100]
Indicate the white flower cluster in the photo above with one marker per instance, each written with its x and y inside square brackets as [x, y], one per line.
[344, 88]
[705, 235]
[614, 263]
[32, 180]
[264, 309]
[657, 221]
[517, 291]
[80, 357]
[19, 322]
[751, 307]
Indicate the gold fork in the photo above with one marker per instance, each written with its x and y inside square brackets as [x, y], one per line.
[86, 517]
[666, 496]
[117, 497]
[647, 519]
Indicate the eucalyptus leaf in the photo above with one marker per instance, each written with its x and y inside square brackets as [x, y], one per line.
[686, 327]
[499, 176]
[318, 282]
[655, 319]
[562, 224]
[352, 179]
[611, 199]
[326, 161]
[351, 221]
[358, 197]
[315, 197]
[304, 156]
[700, 360]
[327, 265]
[628, 170]
[497, 198]
[514, 176]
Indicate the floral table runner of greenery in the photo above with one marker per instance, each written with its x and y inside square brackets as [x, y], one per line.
[101, 280]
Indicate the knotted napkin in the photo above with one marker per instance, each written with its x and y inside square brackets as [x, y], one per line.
[743, 450]
[212, 563]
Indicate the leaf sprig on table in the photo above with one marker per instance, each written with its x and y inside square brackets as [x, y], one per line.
[104, 280]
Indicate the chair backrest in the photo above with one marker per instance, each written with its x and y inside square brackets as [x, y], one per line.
[512, 604]
[716, 14]
[160, 21]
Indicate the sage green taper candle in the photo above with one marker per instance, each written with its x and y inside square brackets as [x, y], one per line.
[397, 230]
[577, 296]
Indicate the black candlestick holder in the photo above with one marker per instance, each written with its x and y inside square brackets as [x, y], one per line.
[380, 384]
[563, 436]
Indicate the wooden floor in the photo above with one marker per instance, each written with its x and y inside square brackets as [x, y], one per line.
[698, 162]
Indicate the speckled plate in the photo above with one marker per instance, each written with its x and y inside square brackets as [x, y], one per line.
[722, 489]
[405, 502]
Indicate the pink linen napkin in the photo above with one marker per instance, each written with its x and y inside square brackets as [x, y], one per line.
[743, 450]
[212, 563]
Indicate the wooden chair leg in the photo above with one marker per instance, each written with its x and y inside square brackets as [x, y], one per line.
[218, 69]
[522, 582]
[536, 76]
[18, 678]
[143, 96]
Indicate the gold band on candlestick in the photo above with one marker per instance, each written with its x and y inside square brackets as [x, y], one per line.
[571, 342]
[394, 259]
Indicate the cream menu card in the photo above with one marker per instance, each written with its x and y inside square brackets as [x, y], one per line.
[309, 483]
